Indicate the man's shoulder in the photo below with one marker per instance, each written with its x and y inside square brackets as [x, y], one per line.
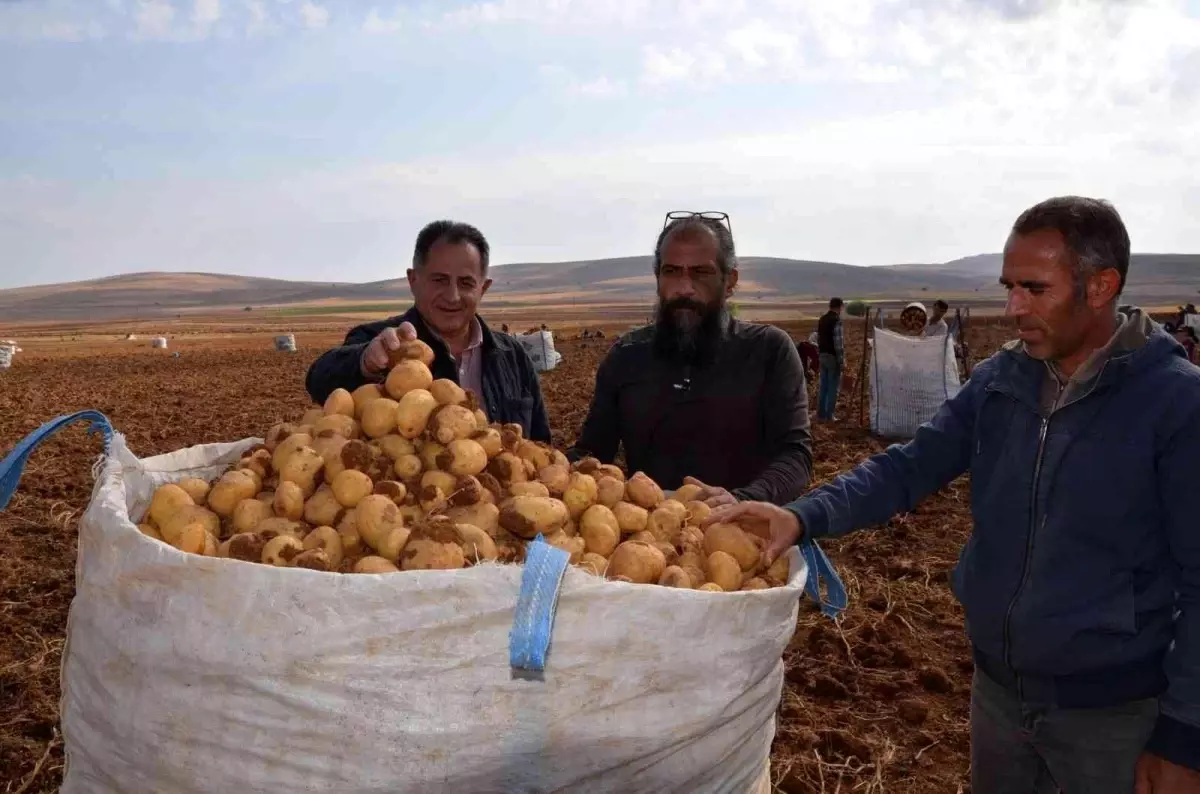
[637, 337]
[761, 334]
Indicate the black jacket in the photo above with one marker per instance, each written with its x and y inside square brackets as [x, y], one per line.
[740, 423]
[511, 391]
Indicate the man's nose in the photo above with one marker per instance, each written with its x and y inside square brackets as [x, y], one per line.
[1017, 305]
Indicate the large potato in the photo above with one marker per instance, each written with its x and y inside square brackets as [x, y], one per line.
[452, 422]
[412, 415]
[695, 574]
[347, 529]
[354, 454]
[572, 546]
[630, 517]
[556, 479]
[508, 468]
[248, 514]
[379, 417]
[643, 491]
[690, 537]
[408, 468]
[609, 491]
[396, 491]
[350, 487]
[640, 563]
[303, 467]
[288, 446]
[674, 576]
[314, 560]
[477, 544]
[189, 514]
[323, 508]
[231, 488]
[363, 395]
[462, 457]
[150, 531]
[432, 499]
[535, 453]
[274, 527]
[328, 540]
[664, 524]
[341, 402]
[375, 516]
[527, 516]
[484, 515]
[336, 425]
[194, 538]
[580, 494]
[529, 489]
[600, 531]
[280, 551]
[195, 488]
[609, 470]
[735, 542]
[395, 446]
[289, 501]
[393, 543]
[688, 493]
[723, 570]
[588, 465]
[489, 439]
[168, 499]
[434, 544]
[408, 376]
[411, 350]
[592, 563]
[443, 480]
[281, 431]
[247, 546]
[698, 512]
[447, 392]
[467, 491]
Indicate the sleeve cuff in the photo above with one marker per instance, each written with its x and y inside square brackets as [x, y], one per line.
[812, 517]
[1175, 741]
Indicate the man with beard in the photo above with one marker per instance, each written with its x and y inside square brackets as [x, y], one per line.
[1081, 579]
[699, 396]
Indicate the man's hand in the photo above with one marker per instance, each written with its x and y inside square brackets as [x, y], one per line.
[1159, 776]
[711, 495]
[782, 528]
[375, 357]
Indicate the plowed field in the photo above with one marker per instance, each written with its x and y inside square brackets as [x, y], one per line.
[874, 702]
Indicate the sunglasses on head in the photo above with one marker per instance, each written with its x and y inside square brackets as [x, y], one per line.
[683, 215]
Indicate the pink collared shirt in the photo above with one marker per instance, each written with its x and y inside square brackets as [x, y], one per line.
[470, 363]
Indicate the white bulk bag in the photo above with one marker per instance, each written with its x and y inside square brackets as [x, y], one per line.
[159, 343]
[6, 356]
[189, 674]
[911, 377]
[285, 343]
[540, 347]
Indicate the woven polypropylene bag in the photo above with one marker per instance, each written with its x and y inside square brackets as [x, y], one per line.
[189, 674]
[910, 379]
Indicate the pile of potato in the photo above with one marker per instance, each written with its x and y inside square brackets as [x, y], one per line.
[411, 475]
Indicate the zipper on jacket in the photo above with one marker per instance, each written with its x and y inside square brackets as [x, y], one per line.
[1033, 513]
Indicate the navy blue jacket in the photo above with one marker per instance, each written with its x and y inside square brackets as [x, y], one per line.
[1084, 564]
[511, 390]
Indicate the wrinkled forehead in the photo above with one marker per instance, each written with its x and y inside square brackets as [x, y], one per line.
[454, 259]
[691, 245]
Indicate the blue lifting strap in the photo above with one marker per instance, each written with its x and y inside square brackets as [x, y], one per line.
[820, 568]
[13, 464]
[533, 623]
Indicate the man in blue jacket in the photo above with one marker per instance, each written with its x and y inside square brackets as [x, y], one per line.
[1081, 579]
[448, 278]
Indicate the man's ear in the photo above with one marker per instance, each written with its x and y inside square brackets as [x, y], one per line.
[731, 283]
[412, 280]
[1103, 287]
[485, 286]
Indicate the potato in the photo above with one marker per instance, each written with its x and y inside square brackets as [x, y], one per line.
[732, 540]
[600, 531]
[393, 543]
[507, 468]
[407, 467]
[247, 546]
[695, 574]
[467, 491]
[556, 479]
[394, 446]
[166, 501]
[711, 587]
[592, 563]
[447, 392]
[412, 514]
[668, 551]
[722, 569]
[640, 563]
[314, 560]
[559, 459]
[347, 529]
[289, 501]
[256, 469]
[484, 515]
[337, 425]
[688, 493]
[609, 491]
[495, 492]
[643, 491]
[408, 376]
[350, 487]
[676, 507]
[375, 517]
[697, 513]
[149, 531]
[643, 537]
[415, 349]
[529, 489]
[609, 470]
[191, 538]
[375, 565]
[311, 416]
[379, 417]
[396, 491]
[303, 467]
[341, 402]
[664, 524]
[510, 436]
[327, 540]
[535, 453]
[690, 538]
[755, 584]
[693, 557]
[630, 517]
[462, 457]
[451, 422]
[777, 574]
[581, 494]
[434, 544]
[248, 513]
[189, 514]
[572, 546]
[287, 447]
[275, 526]
[527, 516]
[323, 508]
[428, 452]
[489, 439]
[674, 576]
[588, 465]
[279, 432]
[281, 550]
[365, 394]
[194, 487]
[477, 544]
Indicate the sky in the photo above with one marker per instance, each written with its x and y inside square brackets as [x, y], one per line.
[311, 139]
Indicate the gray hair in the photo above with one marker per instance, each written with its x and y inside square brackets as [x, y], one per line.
[1093, 231]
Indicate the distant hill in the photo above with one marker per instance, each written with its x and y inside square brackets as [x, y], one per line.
[625, 280]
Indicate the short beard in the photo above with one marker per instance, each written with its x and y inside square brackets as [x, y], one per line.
[688, 337]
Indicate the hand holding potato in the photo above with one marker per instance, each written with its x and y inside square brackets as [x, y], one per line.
[783, 528]
[377, 356]
[711, 495]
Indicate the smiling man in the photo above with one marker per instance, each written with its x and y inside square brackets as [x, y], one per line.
[699, 394]
[448, 279]
[1081, 578]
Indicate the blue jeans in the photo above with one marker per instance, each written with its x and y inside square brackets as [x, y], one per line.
[1019, 748]
[827, 390]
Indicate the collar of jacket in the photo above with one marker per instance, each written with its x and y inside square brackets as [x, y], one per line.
[1020, 377]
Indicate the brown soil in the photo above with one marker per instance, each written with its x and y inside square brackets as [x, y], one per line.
[874, 702]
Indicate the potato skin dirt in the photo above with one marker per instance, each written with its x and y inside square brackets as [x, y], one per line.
[866, 696]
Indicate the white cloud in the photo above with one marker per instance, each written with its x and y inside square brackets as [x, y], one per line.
[154, 19]
[313, 16]
[599, 87]
[256, 10]
[379, 24]
[205, 14]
